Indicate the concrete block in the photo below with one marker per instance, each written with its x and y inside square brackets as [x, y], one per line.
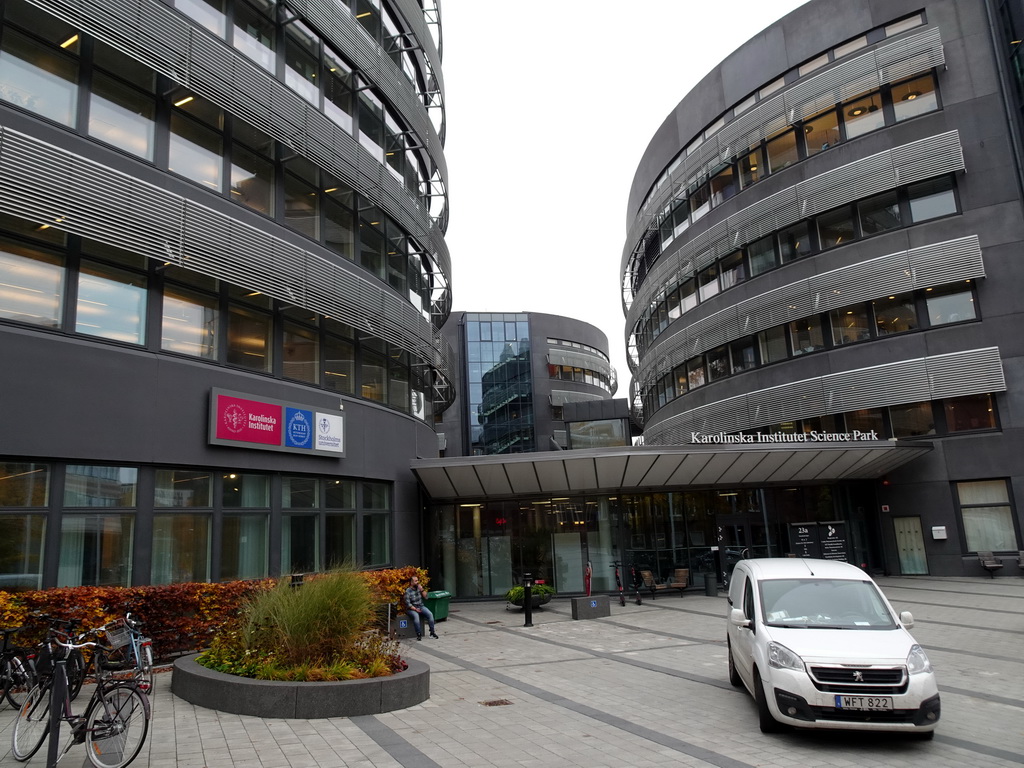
[593, 607]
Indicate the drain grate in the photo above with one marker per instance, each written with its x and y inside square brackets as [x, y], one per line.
[496, 703]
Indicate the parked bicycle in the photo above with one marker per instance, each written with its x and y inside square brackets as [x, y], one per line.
[131, 653]
[618, 585]
[17, 675]
[44, 653]
[114, 725]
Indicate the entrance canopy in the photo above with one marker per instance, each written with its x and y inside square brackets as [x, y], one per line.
[647, 468]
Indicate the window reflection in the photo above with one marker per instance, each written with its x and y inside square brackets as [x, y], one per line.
[950, 305]
[95, 550]
[914, 97]
[195, 152]
[821, 132]
[181, 548]
[894, 314]
[38, 79]
[249, 336]
[863, 115]
[31, 286]
[121, 116]
[190, 322]
[209, 13]
[111, 303]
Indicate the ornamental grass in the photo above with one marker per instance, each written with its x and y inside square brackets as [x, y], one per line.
[322, 630]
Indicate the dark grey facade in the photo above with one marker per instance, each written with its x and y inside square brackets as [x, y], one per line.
[247, 197]
[518, 371]
[823, 241]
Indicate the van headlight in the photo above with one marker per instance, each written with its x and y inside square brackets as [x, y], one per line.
[780, 657]
[917, 660]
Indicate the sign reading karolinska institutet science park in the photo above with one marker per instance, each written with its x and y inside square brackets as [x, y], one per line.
[244, 421]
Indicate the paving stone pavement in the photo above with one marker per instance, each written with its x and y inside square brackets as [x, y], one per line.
[647, 686]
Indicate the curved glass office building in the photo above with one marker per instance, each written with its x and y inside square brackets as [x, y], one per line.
[223, 275]
[824, 245]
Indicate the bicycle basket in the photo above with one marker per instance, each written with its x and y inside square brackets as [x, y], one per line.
[117, 634]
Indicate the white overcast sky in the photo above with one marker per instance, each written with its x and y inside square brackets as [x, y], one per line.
[549, 109]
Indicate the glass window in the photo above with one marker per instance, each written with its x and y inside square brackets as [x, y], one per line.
[244, 547]
[847, 48]
[734, 270]
[122, 116]
[38, 78]
[21, 556]
[338, 229]
[810, 66]
[371, 125]
[835, 227]
[863, 115]
[398, 383]
[708, 281]
[718, 363]
[850, 324]
[245, 491]
[94, 486]
[970, 412]
[772, 343]
[339, 365]
[302, 62]
[209, 13]
[340, 494]
[672, 304]
[681, 382]
[903, 25]
[806, 335]
[822, 132]
[376, 496]
[688, 295]
[254, 33]
[795, 242]
[340, 539]
[337, 91]
[301, 206]
[782, 151]
[987, 515]
[376, 544]
[299, 492]
[742, 353]
[931, 199]
[181, 548]
[879, 214]
[183, 488]
[751, 167]
[894, 314]
[761, 254]
[914, 97]
[190, 322]
[866, 420]
[695, 375]
[301, 353]
[723, 185]
[95, 550]
[300, 544]
[249, 339]
[24, 485]
[195, 152]
[700, 201]
[374, 381]
[951, 304]
[31, 286]
[252, 180]
[111, 303]
[371, 251]
[912, 420]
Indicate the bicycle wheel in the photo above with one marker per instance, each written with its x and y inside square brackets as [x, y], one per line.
[19, 679]
[33, 723]
[116, 727]
[75, 667]
[146, 668]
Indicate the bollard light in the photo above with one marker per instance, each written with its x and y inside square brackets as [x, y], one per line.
[528, 599]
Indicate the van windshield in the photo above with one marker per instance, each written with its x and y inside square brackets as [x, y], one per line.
[824, 603]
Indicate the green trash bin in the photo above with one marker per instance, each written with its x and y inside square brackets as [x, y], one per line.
[437, 603]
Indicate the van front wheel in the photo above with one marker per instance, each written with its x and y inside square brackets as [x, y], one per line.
[767, 722]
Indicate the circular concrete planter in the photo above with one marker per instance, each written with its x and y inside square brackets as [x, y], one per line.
[305, 701]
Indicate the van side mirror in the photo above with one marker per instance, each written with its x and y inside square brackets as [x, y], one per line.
[907, 619]
[737, 618]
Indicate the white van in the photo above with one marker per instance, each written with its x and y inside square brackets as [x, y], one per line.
[818, 646]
